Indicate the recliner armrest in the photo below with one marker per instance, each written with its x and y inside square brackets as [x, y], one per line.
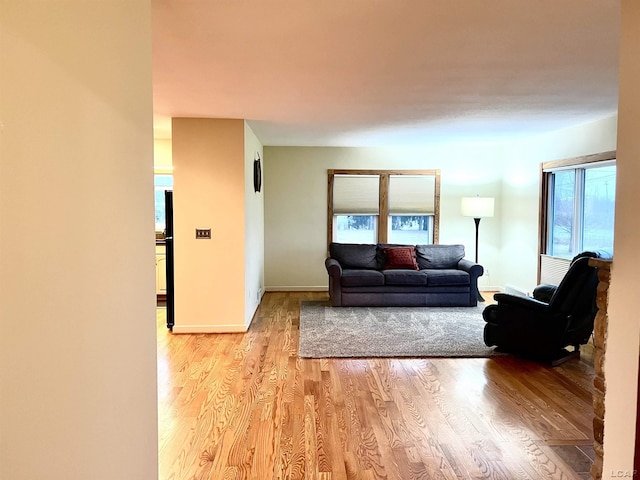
[544, 292]
[519, 301]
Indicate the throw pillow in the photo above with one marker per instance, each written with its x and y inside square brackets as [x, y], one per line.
[400, 257]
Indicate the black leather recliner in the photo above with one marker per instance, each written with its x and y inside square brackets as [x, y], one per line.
[556, 317]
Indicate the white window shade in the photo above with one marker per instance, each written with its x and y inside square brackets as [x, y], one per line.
[355, 194]
[412, 194]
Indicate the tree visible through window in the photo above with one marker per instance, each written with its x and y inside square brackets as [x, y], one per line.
[356, 229]
[161, 183]
[411, 229]
[599, 208]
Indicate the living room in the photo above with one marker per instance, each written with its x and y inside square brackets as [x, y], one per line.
[290, 212]
[78, 379]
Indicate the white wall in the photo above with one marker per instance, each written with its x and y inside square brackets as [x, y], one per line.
[78, 345]
[621, 361]
[254, 227]
[296, 203]
[521, 191]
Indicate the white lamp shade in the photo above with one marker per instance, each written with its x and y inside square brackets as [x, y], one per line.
[477, 207]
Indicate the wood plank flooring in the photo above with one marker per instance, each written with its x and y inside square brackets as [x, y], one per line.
[244, 406]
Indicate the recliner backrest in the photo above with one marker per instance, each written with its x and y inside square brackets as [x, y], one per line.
[575, 300]
[577, 290]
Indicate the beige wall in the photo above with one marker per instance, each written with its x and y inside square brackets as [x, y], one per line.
[209, 192]
[78, 344]
[621, 363]
[296, 203]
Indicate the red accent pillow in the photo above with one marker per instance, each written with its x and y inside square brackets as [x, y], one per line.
[400, 257]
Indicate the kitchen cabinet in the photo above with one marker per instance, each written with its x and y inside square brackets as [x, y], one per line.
[161, 269]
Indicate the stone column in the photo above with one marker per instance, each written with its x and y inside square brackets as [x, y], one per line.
[600, 343]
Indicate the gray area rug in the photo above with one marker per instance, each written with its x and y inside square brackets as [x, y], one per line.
[327, 331]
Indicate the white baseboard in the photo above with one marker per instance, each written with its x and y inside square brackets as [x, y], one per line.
[515, 290]
[490, 288]
[290, 288]
[209, 328]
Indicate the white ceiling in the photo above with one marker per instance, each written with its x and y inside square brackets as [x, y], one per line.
[386, 72]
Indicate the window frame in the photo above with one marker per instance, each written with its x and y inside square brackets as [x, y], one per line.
[383, 199]
[546, 189]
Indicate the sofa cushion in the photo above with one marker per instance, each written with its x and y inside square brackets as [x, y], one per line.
[400, 257]
[446, 277]
[439, 256]
[361, 278]
[404, 277]
[354, 255]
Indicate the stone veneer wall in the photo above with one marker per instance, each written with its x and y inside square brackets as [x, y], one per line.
[600, 343]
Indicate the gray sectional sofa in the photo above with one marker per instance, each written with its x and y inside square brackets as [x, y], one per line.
[401, 275]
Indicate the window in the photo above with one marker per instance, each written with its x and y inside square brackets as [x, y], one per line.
[411, 209]
[161, 183]
[355, 208]
[562, 213]
[599, 205]
[356, 228]
[411, 229]
[372, 206]
[579, 208]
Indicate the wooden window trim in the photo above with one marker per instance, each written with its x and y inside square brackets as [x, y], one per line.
[383, 199]
[545, 175]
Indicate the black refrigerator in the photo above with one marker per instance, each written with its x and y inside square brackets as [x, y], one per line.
[168, 212]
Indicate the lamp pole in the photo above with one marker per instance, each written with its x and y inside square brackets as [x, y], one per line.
[477, 220]
[477, 207]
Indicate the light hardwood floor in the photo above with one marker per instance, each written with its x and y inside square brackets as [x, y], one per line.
[244, 406]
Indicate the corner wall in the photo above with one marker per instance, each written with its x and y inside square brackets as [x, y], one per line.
[78, 397]
[254, 227]
[521, 191]
[621, 360]
[209, 192]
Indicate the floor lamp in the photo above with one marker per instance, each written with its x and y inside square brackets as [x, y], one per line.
[477, 207]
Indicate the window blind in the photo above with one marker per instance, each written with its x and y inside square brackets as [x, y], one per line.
[355, 194]
[412, 194]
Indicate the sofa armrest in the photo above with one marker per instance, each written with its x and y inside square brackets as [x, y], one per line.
[334, 269]
[472, 268]
[475, 271]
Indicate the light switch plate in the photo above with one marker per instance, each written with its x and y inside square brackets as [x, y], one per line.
[203, 233]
